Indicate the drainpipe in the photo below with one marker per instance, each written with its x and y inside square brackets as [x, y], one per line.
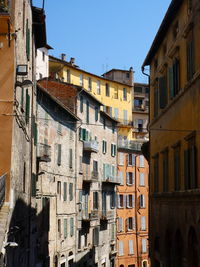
[136, 218]
[149, 213]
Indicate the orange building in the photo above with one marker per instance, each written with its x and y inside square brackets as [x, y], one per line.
[132, 210]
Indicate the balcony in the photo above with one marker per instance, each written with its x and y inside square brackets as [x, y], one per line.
[141, 108]
[91, 146]
[110, 179]
[130, 144]
[87, 177]
[85, 215]
[2, 189]
[106, 215]
[125, 123]
[94, 214]
[44, 152]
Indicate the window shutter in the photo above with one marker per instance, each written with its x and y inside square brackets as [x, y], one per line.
[121, 177]
[116, 113]
[113, 231]
[105, 146]
[127, 178]
[87, 112]
[96, 113]
[143, 223]
[130, 245]
[193, 167]
[127, 201]
[70, 158]
[81, 104]
[141, 161]
[133, 160]
[104, 170]
[27, 41]
[65, 228]
[27, 106]
[141, 178]
[80, 200]
[133, 201]
[113, 171]
[171, 82]
[186, 169]
[59, 155]
[33, 186]
[70, 191]
[112, 150]
[124, 201]
[121, 248]
[133, 222]
[144, 246]
[120, 224]
[118, 200]
[71, 226]
[163, 91]
[125, 112]
[65, 191]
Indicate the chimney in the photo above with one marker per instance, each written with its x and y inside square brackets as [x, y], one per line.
[131, 76]
[72, 60]
[63, 57]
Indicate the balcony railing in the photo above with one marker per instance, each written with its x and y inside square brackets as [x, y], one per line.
[44, 152]
[90, 177]
[2, 189]
[124, 122]
[111, 179]
[105, 214]
[141, 108]
[130, 144]
[4, 6]
[91, 146]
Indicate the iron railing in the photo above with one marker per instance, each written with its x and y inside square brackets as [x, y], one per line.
[130, 144]
[2, 189]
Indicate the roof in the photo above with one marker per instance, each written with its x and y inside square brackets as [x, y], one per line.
[169, 17]
[58, 101]
[52, 58]
[108, 116]
[116, 70]
[141, 84]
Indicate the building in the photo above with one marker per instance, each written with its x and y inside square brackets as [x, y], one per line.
[133, 191]
[56, 181]
[18, 41]
[96, 174]
[174, 61]
[42, 62]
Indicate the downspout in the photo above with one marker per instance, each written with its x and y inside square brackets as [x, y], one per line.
[136, 218]
[149, 213]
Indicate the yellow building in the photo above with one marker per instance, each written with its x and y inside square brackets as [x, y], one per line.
[174, 60]
[116, 96]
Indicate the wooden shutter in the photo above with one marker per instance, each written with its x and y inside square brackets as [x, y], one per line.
[143, 223]
[124, 201]
[127, 178]
[118, 201]
[142, 178]
[112, 231]
[65, 191]
[65, 228]
[27, 106]
[133, 160]
[127, 201]
[104, 170]
[81, 104]
[133, 201]
[163, 91]
[80, 200]
[141, 161]
[116, 115]
[70, 191]
[70, 158]
[87, 112]
[155, 101]
[144, 246]
[125, 112]
[33, 185]
[59, 155]
[27, 41]
[130, 246]
[171, 81]
[121, 248]
[71, 226]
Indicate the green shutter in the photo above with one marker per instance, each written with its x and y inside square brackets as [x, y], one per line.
[104, 170]
[27, 41]
[70, 191]
[59, 155]
[186, 169]
[171, 82]
[65, 228]
[65, 191]
[70, 158]
[112, 231]
[33, 185]
[71, 226]
[27, 106]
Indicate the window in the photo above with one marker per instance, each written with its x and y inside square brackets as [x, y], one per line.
[89, 84]
[177, 167]
[130, 247]
[107, 89]
[121, 201]
[79, 239]
[70, 191]
[70, 158]
[27, 114]
[96, 236]
[141, 161]
[68, 76]
[113, 150]
[138, 89]
[81, 104]
[165, 171]
[24, 179]
[143, 223]
[65, 228]
[104, 147]
[121, 248]
[124, 94]
[142, 182]
[64, 191]
[125, 115]
[120, 225]
[112, 199]
[156, 100]
[95, 166]
[59, 188]
[174, 78]
[96, 113]
[27, 41]
[81, 79]
[59, 228]
[130, 201]
[144, 245]
[156, 173]
[142, 201]
[131, 159]
[87, 111]
[113, 127]
[190, 164]
[83, 134]
[115, 93]
[116, 113]
[71, 226]
[43, 56]
[59, 154]
[130, 178]
[138, 102]
[121, 158]
[95, 200]
[98, 88]
[130, 223]
[190, 57]
[146, 90]
[40, 75]
[112, 231]
[162, 85]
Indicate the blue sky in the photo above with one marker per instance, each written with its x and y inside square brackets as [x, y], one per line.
[104, 34]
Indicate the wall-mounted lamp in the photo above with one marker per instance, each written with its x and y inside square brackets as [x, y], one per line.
[22, 70]
[25, 83]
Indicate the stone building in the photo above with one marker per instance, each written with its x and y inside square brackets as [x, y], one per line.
[174, 60]
[96, 174]
[18, 41]
[56, 181]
